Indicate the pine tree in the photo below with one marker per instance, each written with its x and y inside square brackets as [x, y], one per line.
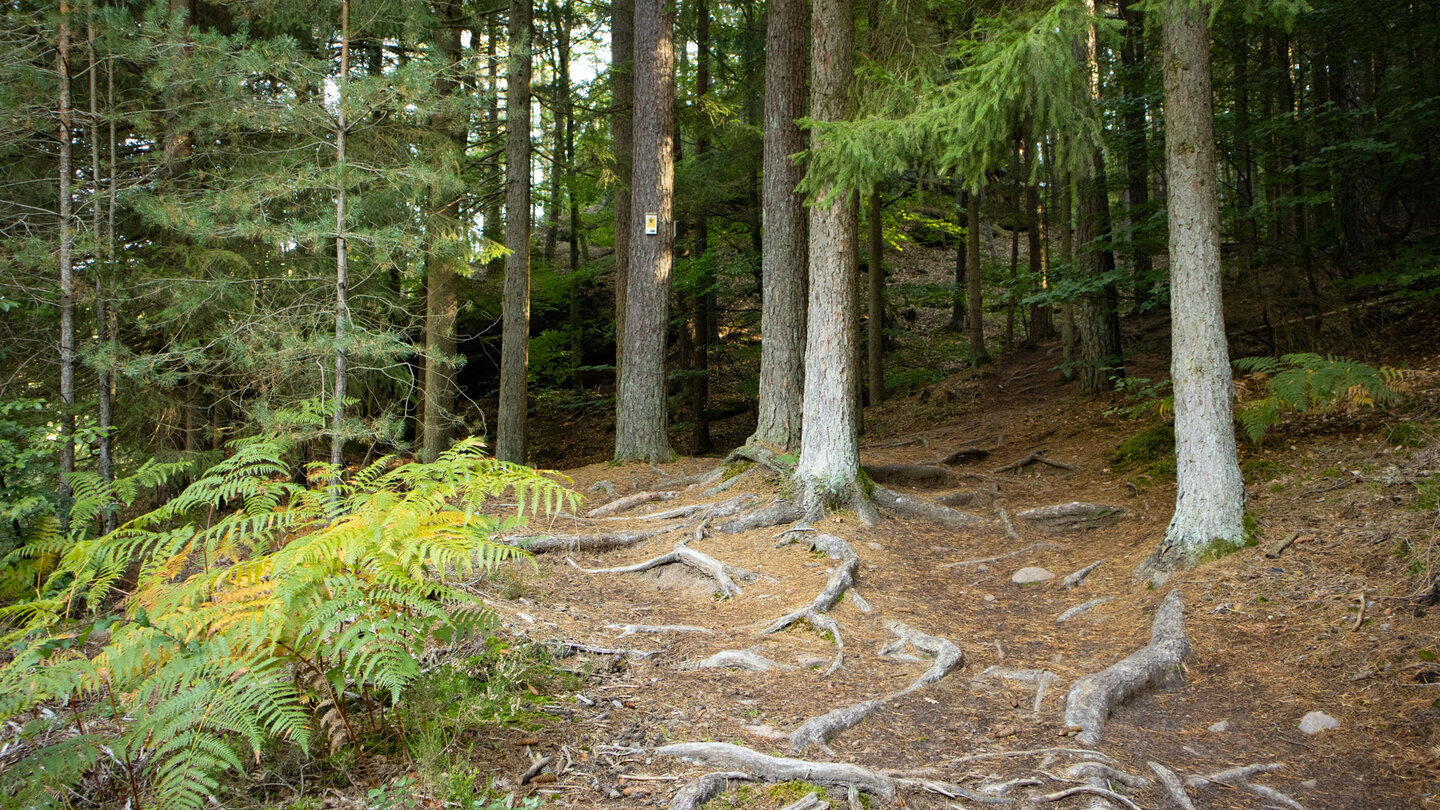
[515, 342]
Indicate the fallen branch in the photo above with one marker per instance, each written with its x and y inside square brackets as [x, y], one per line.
[535, 768]
[1006, 555]
[630, 502]
[738, 659]
[1074, 579]
[565, 649]
[633, 629]
[1093, 697]
[1275, 550]
[1081, 608]
[906, 506]
[1034, 458]
[704, 789]
[544, 544]
[781, 769]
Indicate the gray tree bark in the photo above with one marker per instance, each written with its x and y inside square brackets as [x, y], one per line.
[622, 84]
[515, 329]
[342, 266]
[640, 427]
[876, 336]
[1210, 497]
[67, 278]
[705, 332]
[783, 252]
[974, 281]
[828, 470]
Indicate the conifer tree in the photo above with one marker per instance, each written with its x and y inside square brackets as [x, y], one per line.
[515, 341]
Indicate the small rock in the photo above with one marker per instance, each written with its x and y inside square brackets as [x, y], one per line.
[875, 545]
[1030, 575]
[989, 597]
[1002, 732]
[807, 661]
[1316, 722]
[1220, 727]
[766, 731]
[1310, 784]
[982, 567]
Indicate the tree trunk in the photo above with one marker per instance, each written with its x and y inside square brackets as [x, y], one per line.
[705, 335]
[1013, 293]
[67, 279]
[342, 267]
[783, 252]
[1244, 156]
[1137, 160]
[1097, 313]
[974, 281]
[1064, 216]
[515, 330]
[557, 150]
[957, 309]
[1042, 325]
[640, 429]
[1210, 497]
[829, 465]
[577, 332]
[622, 83]
[99, 260]
[876, 337]
[442, 280]
[493, 176]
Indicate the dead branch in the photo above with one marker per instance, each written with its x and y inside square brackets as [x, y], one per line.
[1094, 696]
[535, 768]
[1275, 550]
[905, 506]
[544, 544]
[565, 649]
[781, 769]
[704, 789]
[633, 629]
[738, 659]
[630, 502]
[1081, 608]
[1006, 555]
[1172, 785]
[1074, 579]
[1034, 458]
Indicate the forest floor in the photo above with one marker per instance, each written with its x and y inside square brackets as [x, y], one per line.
[1333, 611]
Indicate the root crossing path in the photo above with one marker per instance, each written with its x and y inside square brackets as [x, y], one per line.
[945, 685]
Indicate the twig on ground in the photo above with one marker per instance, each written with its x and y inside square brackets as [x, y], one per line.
[632, 629]
[1073, 580]
[535, 768]
[1030, 547]
[1034, 458]
[1081, 608]
[1275, 550]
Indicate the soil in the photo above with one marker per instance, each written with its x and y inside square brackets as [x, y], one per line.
[1275, 635]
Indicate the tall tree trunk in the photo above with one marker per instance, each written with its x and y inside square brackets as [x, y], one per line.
[876, 336]
[67, 279]
[1244, 155]
[1042, 325]
[1136, 153]
[99, 257]
[1013, 293]
[1097, 313]
[857, 307]
[557, 150]
[828, 470]
[640, 430]
[1210, 496]
[622, 129]
[957, 303]
[705, 332]
[108, 322]
[577, 331]
[342, 268]
[783, 252]
[493, 175]
[515, 330]
[441, 278]
[1063, 213]
[974, 281]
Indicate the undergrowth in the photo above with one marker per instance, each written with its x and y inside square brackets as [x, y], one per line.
[248, 611]
[1309, 382]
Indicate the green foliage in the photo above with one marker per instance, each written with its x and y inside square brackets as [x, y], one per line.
[901, 380]
[1407, 434]
[247, 605]
[1310, 382]
[1151, 451]
[1261, 469]
[1141, 396]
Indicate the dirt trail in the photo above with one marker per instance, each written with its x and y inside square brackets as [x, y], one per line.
[1272, 638]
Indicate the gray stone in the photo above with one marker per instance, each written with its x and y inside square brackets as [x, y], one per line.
[1220, 727]
[1310, 784]
[1030, 575]
[1316, 722]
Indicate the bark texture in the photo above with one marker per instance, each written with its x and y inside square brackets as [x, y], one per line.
[622, 129]
[1210, 496]
[875, 339]
[342, 268]
[974, 282]
[515, 329]
[67, 279]
[640, 432]
[829, 451]
[783, 253]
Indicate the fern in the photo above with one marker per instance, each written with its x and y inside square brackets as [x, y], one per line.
[258, 605]
[1309, 382]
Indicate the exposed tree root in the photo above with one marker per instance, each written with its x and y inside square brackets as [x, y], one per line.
[633, 629]
[981, 497]
[704, 789]
[738, 659]
[822, 729]
[1062, 517]
[1092, 790]
[774, 514]
[1075, 578]
[710, 510]
[905, 506]
[760, 455]
[953, 791]
[1008, 526]
[824, 624]
[1081, 608]
[782, 769]
[1172, 785]
[1099, 770]
[1233, 776]
[966, 454]
[631, 501]
[1079, 752]
[1006, 555]
[1094, 696]
[565, 649]
[911, 475]
[1038, 678]
[810, 801]
[724, 575]
[842, 578]
[544, 544]
[1034, 458]
[1273, 795]
[727, 483]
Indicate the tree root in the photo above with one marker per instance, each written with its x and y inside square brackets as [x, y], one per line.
[633, 629]
[1099, 770]
[776, 513]
[1008, 526]
[544, 544]
[1006, 555]
[704, 789]
[911, 475]
[1081, 608]
[1172, 785]
[905, 506]
[965, 454]
[1062, 517]
[1094, 696]
[738, 659]
[1035, 458]
[760, 455]
[631, 501]
[724, 575]
[810, 801]
[953, 791]
[726, 484]
[1075, 578]
[842, 578]
[782, 769]
[820, 730]
[1038, 678]
[1273, 795]
[565, 649]
[1092, 790]
[1233, 776]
